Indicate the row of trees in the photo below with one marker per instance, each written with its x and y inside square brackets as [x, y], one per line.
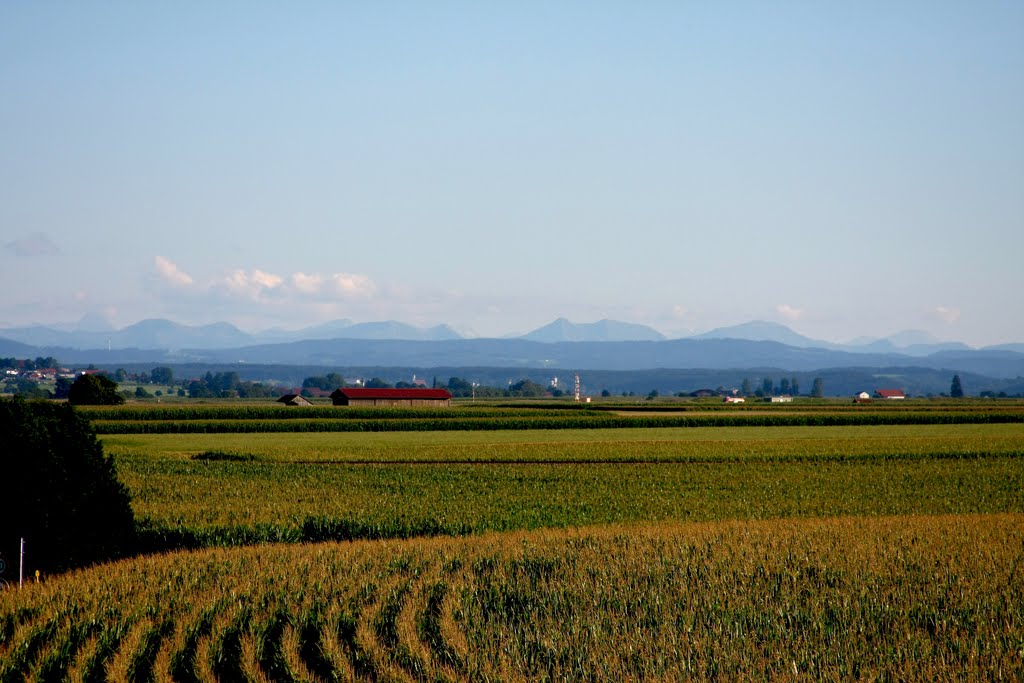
[38, 363]
[785, 387]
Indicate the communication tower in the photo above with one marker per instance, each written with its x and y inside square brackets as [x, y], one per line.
[576, 393]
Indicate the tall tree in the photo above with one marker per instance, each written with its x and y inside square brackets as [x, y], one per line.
[60, 492]
[956, 390]
[162, 375]
[92, 390]
[818, 388]
[745, 388]
[794, 385]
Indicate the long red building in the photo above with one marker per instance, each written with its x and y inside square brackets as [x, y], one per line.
[391, 397]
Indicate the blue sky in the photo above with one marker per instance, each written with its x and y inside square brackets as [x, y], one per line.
[848, 169]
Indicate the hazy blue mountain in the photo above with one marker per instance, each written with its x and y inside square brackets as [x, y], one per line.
[158, 333]
[328, 330]
[916, 343]
[145, 334]
[391, 329]
[762, 330]
[165, 334]
[39, 335]
[735, 356]
[1017, 348]
[563, 330]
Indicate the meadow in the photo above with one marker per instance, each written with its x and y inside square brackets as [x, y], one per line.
[887, 549]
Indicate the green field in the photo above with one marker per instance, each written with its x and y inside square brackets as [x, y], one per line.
[842, 551]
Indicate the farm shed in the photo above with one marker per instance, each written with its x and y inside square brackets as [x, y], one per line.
[391, 397]
[293, 400]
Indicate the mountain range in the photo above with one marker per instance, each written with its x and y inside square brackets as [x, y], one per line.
[95, 333]
[604, 345]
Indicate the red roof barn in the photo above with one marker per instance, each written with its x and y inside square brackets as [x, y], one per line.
[391, 397]
[890, 393]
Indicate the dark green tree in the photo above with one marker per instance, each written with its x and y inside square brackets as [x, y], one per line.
[458, 386]
[63, 388]
[60, 493]
[767, 386]
[818, 387]
[794, 385]
[376, 383]
[745, 388]
[956, 390]
[162, 375]
[526, 387]
[784, 386]
[94, 390]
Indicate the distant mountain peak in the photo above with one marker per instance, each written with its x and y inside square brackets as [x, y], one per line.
[764, 330]
[563, 330]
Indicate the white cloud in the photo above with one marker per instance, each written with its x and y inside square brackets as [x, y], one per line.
[265, 288]
[307, 284]
[251, 285]
[347, 284]
[679, 312]
[789, 312]
[171, 274]
[946, 314]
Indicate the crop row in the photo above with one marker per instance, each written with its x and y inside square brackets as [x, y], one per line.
[583, 445]
[274, 411]
[573, 421]
[906, 598]
[193, 502]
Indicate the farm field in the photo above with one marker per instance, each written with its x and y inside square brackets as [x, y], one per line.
[886, 550]
[319, 486]
[917, 598]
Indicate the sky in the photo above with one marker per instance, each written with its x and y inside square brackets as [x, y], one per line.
[849, 169]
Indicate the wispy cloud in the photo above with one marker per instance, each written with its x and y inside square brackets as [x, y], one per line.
[171, 274]
[36, 244]
[789, 312]
[946, 314]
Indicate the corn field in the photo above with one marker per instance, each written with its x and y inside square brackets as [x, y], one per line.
[899, 598]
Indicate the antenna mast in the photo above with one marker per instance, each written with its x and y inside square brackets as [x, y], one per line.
[576, 393]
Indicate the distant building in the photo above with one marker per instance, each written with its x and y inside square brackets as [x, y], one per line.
[347, 396]
[890, 394]
[778, 399]
[293, 400]
[735, 399]
[863, 395]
